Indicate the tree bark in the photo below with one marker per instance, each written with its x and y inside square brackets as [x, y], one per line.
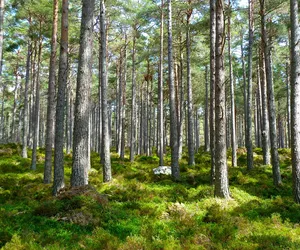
[160, 91]
[173, 115]
[249, 91]
[58, 182]
[221, 181]
[133, 99]
[233, 133]
[295, 98]
[37, 103]
[191, 143]
[206, 122]
[105, 129]
[271, 102]
[212, 87]
[265, 120]
[25, 110]
[51, 98]
[81, 121]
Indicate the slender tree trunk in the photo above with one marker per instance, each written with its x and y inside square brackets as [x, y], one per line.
[233, 133]
[206, 122]
[249, 90]
[265, 120]
[123, 101]
[173, 115]
[160, 138]
[81, 121]
[221, 181]
[133, 99]
[271, 102]
[37, 103]
[51, 98]
[191, 143]
[244, 89]
[288, 104]
[212, 87]
[58, 182]
[295, 98]
[25, 110]
[105, 129]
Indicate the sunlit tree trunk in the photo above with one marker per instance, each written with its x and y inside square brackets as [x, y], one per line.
[212, 86]
[233, 133]
[37, 103]
[105, 129]
[271, 101]
[191, 142]
[295, 98]
[221, 181]
[173, 115]
[206, 122]
[81, 120]
[58, 182]
[25, 110]
[160, 137]
[51, 98]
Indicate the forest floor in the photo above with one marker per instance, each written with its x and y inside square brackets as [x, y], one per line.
[138, 210]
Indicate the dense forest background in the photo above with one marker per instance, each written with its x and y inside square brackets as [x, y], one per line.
[96, 94]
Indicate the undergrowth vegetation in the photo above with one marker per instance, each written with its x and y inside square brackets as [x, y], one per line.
[138, 210]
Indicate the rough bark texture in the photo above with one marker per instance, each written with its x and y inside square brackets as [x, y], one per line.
[221, 181]
[1, 83]
[105, 132]
[58, 182]
[212, 86]
[271, 100]
[233, 133]
[173, 114]
[191, 143]
[160, 91]
[249, 91]
[295, 98]
[288, 105]
[81, 120]
[51, 98]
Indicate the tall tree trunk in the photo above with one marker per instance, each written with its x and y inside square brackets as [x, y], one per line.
[123, 102]
[58, 182]
[288, 104]
[51, 98]
[271, 102]
[25, 110]
[249, 90]
[191, 143]
[173, 115]
[37, 103]
[295, 98]
[233, 133]
[212, 87]
[81, 121]
[206, 122]
[160, 90]
[265, 117]
[133, 99]
[244, 89]
[105, 129]
[221, 181]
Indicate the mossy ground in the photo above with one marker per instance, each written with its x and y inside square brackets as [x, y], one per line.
[145, 211]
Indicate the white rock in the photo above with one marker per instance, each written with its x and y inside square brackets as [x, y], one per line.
[166, 170]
